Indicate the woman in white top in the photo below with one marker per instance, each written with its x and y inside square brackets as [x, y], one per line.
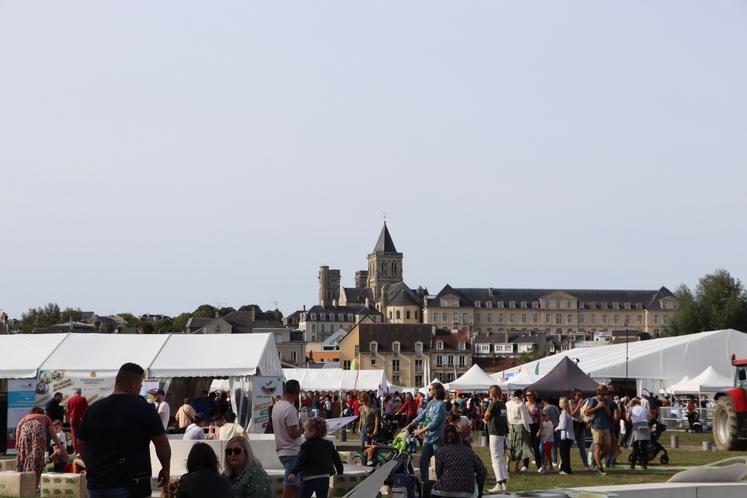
[639, 416]
[567, 436]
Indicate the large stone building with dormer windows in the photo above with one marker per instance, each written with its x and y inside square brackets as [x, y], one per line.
[569, 315]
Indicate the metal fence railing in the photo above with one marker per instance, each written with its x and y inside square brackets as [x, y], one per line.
[675, 418]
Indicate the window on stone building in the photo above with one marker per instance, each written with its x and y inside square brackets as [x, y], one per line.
[462, 345]
[313, 317]
[580, 318]
[418, 348]
[477, 317]
[395, 365]
[399, 314]
[604, 319]
[558, 319]
[373, 346]
[395, 348]
[616, 319]
[512, 304]
[418, 380]
[439, 360]
[499, 304]
[500, 318]
[640, 318]
[547, 317]
[439, 345]
[477, 304]
[570, 318]
[535, 317]
[462, 361]
[418, 366]
[523, 318]
[489, 304]
[535, 304]
[450, 360]
[407, 314]
[456, 317]
[512, 318]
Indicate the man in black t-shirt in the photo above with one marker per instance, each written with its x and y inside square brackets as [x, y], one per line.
[115, 437]
[54, 409]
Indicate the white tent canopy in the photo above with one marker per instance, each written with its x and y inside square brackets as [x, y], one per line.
[334, 379]
[163, 356]
[474, 379]
[23, 354]
[655, 363]
[709, 380]
[521, 380]
[217, 355]
[80, 354]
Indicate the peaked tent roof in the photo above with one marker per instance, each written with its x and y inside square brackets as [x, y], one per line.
[520, 380]
[708, 380]
[24, 353]
[385, 243]
[81, 354]
[562, 379]
[474, 378]
[217, 355]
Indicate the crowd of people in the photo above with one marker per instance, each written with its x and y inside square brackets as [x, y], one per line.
[111, 437]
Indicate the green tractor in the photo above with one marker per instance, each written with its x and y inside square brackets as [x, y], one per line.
[730, 413]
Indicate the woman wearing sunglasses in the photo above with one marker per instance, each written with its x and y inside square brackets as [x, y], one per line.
[248, 478]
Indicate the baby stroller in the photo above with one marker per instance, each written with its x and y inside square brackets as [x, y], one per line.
[654, 447]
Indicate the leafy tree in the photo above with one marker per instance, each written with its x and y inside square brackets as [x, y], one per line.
[531, 355]
[225, 311]
[180, 322]
[163, 326]
[130, 319]
[250, 307]
[719, 302]
[147, 327]
[74, 314]
[43, 316]
[204, 311]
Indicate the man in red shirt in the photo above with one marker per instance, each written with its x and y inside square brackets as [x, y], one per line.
[76, 408]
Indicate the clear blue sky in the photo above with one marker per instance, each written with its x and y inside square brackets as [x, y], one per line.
[159, 155]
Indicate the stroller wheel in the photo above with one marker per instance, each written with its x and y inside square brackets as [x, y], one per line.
[664, 459]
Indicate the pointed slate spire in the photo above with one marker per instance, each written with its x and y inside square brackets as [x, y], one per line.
[385, 244]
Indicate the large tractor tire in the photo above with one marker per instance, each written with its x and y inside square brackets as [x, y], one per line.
[725, 428]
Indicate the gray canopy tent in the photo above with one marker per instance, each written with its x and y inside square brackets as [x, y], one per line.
[562, 379]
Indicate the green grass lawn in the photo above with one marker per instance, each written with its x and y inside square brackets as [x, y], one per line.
[621, 474]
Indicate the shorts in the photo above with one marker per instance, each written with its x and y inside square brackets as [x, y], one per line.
[547, 448]
[288, 463]
[601, 436]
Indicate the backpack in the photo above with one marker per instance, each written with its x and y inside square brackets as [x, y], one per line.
[587, 419]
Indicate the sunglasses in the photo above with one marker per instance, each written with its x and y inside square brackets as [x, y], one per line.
[233, 451]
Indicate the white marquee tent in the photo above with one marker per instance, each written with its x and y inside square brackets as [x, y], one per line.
[709, 380]
[474, 379]
[521, 380]
[654, 364]
[334, 379]
[163, 356]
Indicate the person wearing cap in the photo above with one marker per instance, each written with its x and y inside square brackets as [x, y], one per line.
[195, 430]
[163, 408]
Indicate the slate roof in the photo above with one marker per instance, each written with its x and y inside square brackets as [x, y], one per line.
[357, 295]
[399, 294]
[335, 310]
[587, 298]
[385, 243]
[493, 338]
[386, 333]
[197, 323]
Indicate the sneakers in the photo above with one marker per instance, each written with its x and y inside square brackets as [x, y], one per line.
[523, 469]
[504, 486]
[541, 470]
[496, 488]
[589, 468]
[601, 471]
[562, 473]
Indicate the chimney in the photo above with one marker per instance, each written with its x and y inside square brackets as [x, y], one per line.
[304, 307]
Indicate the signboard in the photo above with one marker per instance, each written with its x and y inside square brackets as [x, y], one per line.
[28, 393]
[263, 389]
